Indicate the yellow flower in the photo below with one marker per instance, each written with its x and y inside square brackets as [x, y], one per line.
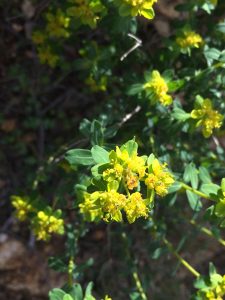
[45, 224]
[91, 208]
[38, 37]
[207, 117]
[103, 205]
[158, 86]
[160, 179]
[189, 39]
[87, 11]
[137, 7]
[135, 207]
[46, 56]
[95, 86]
[22, 207]
[57, 24]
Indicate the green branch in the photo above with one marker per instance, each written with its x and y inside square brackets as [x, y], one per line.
[181, 260]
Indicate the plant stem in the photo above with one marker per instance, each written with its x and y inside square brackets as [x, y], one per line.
[181, 260]
[208, 232]
[139, 285]
[189, 188]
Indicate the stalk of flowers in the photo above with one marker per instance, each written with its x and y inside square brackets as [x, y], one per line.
[206, 117]
[124, 177]
[137, 7]
[43, 222]
[157, 88]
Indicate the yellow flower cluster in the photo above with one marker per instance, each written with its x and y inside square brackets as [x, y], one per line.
[123, 177]
[57, 24]
[22, 207]
[207, 118]
[87, 11]
[159, 88]
[47, 56]
[160, 179]
[57, 27]
[214, 292]
[137, 7]
[95, 86]
[189, 39]
[45, 224]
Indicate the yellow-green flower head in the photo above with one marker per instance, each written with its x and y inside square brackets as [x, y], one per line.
[103, 205]
[137, 7]
[107, 298]
[46, 56]
[189, 39]
[22, 206]
[159, 88]
[159, 179]
[207, 118]
[87, 11]
[57, 24]
[47, 223]
[38, 37]
[216, 291]
[135, 207]
[95, 86]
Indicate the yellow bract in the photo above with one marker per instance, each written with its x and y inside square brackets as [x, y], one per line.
[158, 86]
[207, 117]
[45, 224]
[22, 207]
[160, 179]
[189, 39]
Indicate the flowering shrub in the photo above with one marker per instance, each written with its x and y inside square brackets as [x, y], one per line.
[149, 164]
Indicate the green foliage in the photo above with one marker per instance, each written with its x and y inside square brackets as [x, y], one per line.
[88, 86]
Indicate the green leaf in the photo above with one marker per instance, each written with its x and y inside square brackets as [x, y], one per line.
[191, 175]
[97, 135]
[135, 89]
[131, 147]
[220, 209]
[57, 264]
[180, 115]
[76, 292]
[99, 154]
[67, 297]
[194, 201]
[79, 157]
[212, 269]
[150, 159]
[56, 294]
[209, 188]
[88, 291]
[204, 175]
[175, 85]
[223, 184]
[200, 283]
[85, 127]
[176, 186]
[211, 54]
[148, 13]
